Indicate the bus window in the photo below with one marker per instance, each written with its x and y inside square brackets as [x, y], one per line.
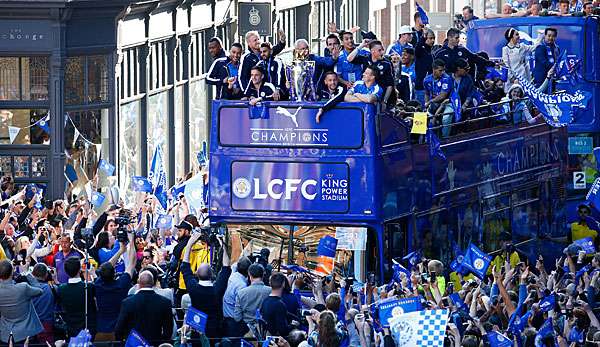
[525, 220]
[496, 219]
[468, 226]
[434, 234]
[392, 130]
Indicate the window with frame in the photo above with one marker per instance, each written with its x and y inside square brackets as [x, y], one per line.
[24, 78]
[159, 63]
[81, 144]
[197, 60]
[24, 127]
[130, 76]
[86, 80]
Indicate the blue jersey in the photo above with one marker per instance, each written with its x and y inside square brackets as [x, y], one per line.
[346, 70]
[361, 88]
[410, 70]
[434, 87]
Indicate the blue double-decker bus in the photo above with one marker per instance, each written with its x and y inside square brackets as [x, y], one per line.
[281, 180]
[580, 38]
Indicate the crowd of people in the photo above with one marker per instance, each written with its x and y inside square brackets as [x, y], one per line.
[67, 267]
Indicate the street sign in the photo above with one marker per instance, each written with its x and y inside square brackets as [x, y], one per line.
[581, 145]
[579, 180]
[255, 16]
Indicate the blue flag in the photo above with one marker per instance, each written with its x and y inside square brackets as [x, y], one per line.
[202, 156]
[70, 173]
[295, 268]
[517, 323]
[582, 272]
[458, 301]
[476, 261]
[562, 66]
[559, 109]
[158, 177]
[141, 184]
[545, 330]
[456, 264]
[548, 303]
[164, 222]
[398, 271]
[413, 258]
[194, 192]
[83, 339]
[107, 168]
[394, 307]
[597, 157]
[178, 190]
[593, 196]
[586, 244]
[97, 199]
[327, 246]
[44, 123]
[260, 110]
[456, 105]
[498, 340]
[422, 13]
[136, 340]
[196, 319]
[435, 146]
[502, 73]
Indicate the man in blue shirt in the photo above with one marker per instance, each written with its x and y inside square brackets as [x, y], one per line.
[367, 90]
[384, 70]
[404, 39]
[438, 86]
[237, 281]
[60, 258]
[223, 73]
[546, 56]
[348, 72]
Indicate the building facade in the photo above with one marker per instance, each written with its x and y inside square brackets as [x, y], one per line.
[82, 80]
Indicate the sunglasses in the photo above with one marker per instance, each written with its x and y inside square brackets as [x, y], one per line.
[146, 257]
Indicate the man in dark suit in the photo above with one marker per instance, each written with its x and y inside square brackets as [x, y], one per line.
[546, 56]
[206, 296]
[147, 312]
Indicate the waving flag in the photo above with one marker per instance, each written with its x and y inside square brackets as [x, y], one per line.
[158, 177]
[141, 184]
[422, 13]
[456, 105]
[596, 152]
[178, 190]
[83, 339]
[413, 258]
[593, 196]
[97, 199]
[70, 173]
[476, 261]
[194, 192]
[548, 303]
[559, 109]
[498, 340]
[136, 340]
[327, 246]
[420, 328]
[164, 222]
[435, 146]
[545, 330]
[196, 319]
[458, 301]
[394, 307]
[105, 167]
[501, 73]
[586, 244]
[398, 271]
[456, 264]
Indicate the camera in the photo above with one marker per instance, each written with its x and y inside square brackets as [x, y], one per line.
[208, 235]
[123, 220]
[509, 248]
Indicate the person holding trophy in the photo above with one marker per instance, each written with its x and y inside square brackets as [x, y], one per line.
[307, 70]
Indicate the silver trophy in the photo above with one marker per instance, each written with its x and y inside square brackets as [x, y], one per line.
[299, 75]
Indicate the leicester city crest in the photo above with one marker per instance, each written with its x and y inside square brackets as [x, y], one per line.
[254, 17]
[241, 188]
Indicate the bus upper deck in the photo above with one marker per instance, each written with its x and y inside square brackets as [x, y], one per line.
[277, 166]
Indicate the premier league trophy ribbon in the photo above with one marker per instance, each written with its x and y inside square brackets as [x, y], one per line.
[299, 75]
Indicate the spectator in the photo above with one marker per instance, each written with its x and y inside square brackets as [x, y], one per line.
[72, 300]
[515, 107]
[258, 90]
[250, 299]
[274, 70]
[367, 90]
[237, 281]
[322, 330]
[418, 31]
[332, 91]
[107, 248]
[408, 67]
[546, 55]
[564, 8]
[404, 40]
[273, 310]
[45, 303]
[153, 322]
[468, 16]
[580, 229]
[205, 295]
[515, 55]
[423, 62]
[17, 313]
[535, 9]
[60, 258]
[215, 48]
[223, 73]
[507, 11]
[452, 52]
[588, 9]
[382, 69]
[111, 291]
